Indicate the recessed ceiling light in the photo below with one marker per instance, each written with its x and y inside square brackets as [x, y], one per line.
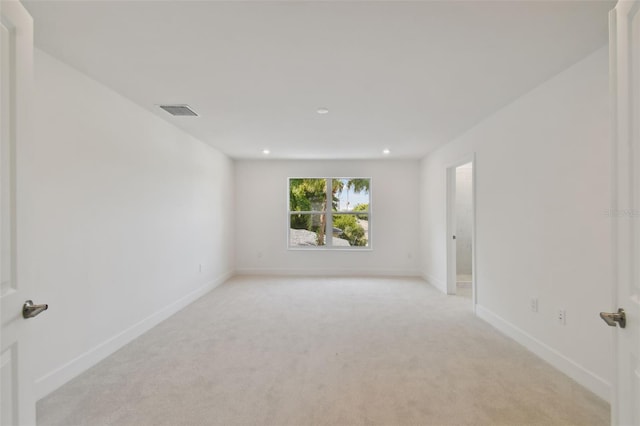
[266, 152]
[386, 151]
[322, 111]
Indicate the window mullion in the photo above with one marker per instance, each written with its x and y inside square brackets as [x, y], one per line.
[328, 232]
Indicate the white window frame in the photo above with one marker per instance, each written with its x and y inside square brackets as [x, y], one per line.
[329, 215]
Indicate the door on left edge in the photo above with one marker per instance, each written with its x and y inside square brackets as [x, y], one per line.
[17, 398]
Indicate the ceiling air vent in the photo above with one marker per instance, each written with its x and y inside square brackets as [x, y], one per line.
[179, 110]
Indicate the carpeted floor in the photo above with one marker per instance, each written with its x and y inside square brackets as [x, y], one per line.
[323, 351]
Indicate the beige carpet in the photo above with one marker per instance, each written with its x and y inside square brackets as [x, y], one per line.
[323, 351]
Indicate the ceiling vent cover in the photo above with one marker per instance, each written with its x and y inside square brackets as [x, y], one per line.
[179, 110]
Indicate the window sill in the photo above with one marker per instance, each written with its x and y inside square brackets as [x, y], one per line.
[329, 249]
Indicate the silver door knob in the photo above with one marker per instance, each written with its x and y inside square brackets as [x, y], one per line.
[29, 310]
[612, 318]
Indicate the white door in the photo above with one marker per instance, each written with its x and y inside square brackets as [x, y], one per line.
[625, 79]
[16, 84]
[452, 226]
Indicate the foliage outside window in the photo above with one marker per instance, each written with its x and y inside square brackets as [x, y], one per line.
[346, 221]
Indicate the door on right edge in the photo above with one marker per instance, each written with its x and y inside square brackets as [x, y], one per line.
[625, 83]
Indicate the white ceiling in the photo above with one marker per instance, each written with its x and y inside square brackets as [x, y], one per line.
[408, 76]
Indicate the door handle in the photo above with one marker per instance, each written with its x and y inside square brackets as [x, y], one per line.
[612, 318]
[29, 310]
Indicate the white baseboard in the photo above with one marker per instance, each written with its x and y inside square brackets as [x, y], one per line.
[435, 282]
[586, 378]
[58, 377]
[329, 272]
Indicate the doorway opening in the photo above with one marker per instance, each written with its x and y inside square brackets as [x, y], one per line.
[461, 229]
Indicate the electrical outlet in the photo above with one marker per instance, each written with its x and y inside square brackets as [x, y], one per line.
[200, 267]
[562, 316]
[534, 304]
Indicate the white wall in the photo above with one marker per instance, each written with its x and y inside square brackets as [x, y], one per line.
[122, 209]
[542, 182]
[261, 219]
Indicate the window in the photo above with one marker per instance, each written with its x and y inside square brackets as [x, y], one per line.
[346, 221]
